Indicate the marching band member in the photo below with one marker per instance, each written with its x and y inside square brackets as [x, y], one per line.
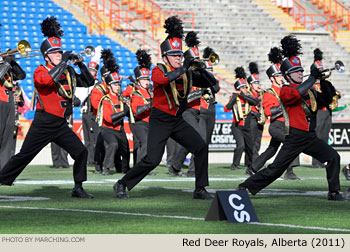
[255, 126]
[207, 113]
[274, 109]
[141, 102]
[301, 102]
[191, 114]
[90, 128]
[110, 117]
[240, 103]
[172, 83]
[324, 114]
[54, 87]
[126, 93]
[10, 72]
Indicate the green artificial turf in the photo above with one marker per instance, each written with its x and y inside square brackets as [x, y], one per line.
[158, 204]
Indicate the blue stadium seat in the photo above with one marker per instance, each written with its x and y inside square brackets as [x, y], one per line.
[25, 21]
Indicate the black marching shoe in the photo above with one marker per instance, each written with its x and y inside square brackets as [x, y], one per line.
[201, 193]
[106, 172]
[81, 193]
[234, 167]
[120, 192]
[336, 196]
[241, 187]
[249, 171]
[98, 169]
[290, 175]
[346, 172]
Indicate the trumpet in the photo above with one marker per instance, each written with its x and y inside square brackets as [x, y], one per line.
[338, 66]
[89, 51]
[213, 58]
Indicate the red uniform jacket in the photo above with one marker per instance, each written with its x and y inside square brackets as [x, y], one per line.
[115, 101]
[204, 104]
[128, 90]
[137, 101]
[96, 96]
[255, 95]
[292, 101]
[4, 93]
[271, 101]
[160, 100]
[53, 102]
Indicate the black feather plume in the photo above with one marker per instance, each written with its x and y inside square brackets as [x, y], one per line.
[106, 54]
[253, 68]
[51, 28]
[318, 54]
[143, 59]
[173, 26]
[291, 46]
[240, 73]
[275, 55]
[191, 39]
[207, 52]
[109, 61]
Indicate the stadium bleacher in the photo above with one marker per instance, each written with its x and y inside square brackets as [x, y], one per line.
[21, 19]
[243, 31]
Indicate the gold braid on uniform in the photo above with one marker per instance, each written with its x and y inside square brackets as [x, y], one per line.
[99, 117]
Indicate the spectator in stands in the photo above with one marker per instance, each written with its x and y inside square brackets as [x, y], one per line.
[171, 87]
[301, 102]
[54, 88]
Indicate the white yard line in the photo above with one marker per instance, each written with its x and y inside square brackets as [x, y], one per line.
[171, 217]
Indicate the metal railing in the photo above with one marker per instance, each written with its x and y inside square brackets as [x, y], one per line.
[311, 21]
[335, 10]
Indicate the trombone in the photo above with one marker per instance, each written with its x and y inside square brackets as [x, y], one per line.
[23, 48]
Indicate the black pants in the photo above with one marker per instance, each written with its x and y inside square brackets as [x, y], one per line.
[140, 131]
[256, 131]
[115, 140]
[7, 127]
[136, 143]
[243, 142]
[296, 142]
[191, 116]
[46, 128]
[59, 156]
[161, 127]
[276, 131]
[100, 151]
[172, 148]
[323, 127]
[90, 131]
[207, 121]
